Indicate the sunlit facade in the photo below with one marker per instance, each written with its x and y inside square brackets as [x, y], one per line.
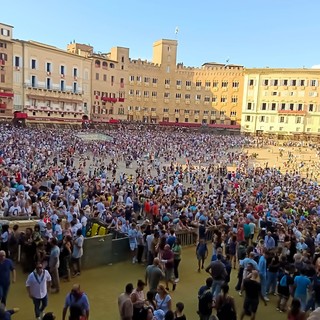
[281, 101]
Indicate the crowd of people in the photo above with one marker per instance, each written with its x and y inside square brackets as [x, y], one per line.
[151, 183]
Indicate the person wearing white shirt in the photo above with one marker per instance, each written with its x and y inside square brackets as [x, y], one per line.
[37, 285]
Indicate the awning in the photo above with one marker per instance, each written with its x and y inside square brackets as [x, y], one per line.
[6, 94]
[108, 99]
[20, 115]
[3, 106]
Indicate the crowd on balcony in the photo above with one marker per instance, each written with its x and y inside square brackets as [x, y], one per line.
[173, 180]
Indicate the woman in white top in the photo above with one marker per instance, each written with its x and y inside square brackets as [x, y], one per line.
[163, 299]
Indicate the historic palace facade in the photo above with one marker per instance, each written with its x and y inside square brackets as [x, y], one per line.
[44, 84]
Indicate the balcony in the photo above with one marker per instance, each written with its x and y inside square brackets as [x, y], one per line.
[121, 99]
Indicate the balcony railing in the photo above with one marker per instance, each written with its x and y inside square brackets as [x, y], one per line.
[45, 88]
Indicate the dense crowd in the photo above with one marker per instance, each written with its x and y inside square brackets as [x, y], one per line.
[150, 184]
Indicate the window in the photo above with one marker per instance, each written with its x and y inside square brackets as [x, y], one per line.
[198, 83]
[187, 96]
[48, 83]
[235, 84]
[198, 97]
[75, 72]
[168, 69]
[213, 112]
[311, 107]
[302, 83]
[112, 66]
[138, 93]
[33, 81]
[223, 99]
[146, 79]
[166, 95]
[146, 94]
[314, 83]
[293, 83]
[137, 108]
[33, 64]
[283, 106]
[275, 82]
[121, 111]
[2, 78]
[214, 98]
[274, 93]
[176, 110]
[104, 65]
[207, 84]
[298, 119]
[291, 106]
[62, 85]
[131, 78]
[48, 67]
[222, 113]
[264, 106]
[262, 118]
[281, 120]
[251, 82]
[153, 109]
[188, 83]
[3, 45]
[104, 77]
[97, 76]
[206, 112]
[154, 94]
[5, 32]
[265, 82]
[131, 92]
[3, 56]
[186, 111]
[250, 106]
[285, 82]
[17, 62]
[112, 80]
[224, 84]
[215, 84]
[186, 120]
[196, 111]
[233, 113]
[179, 82]
[273, 106]
[165, 110]
[300, 107]
[154, 80]
[167, 81]
[234, 99]
[178, 95]
[206, 98]
[75, 87]
[139, 78]
[122, 59]
[62, 70]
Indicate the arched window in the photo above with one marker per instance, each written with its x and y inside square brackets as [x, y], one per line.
[111, 65]
[104, 65]
[97, 63]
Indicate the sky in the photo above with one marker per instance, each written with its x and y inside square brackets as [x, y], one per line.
[253, 33]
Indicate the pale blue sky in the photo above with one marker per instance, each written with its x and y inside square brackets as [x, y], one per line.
[254, 33]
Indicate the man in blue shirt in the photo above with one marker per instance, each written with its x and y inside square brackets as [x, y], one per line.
[263, 274]
[76, 298]
[269, 241]
[301, 284]
[6, 266]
